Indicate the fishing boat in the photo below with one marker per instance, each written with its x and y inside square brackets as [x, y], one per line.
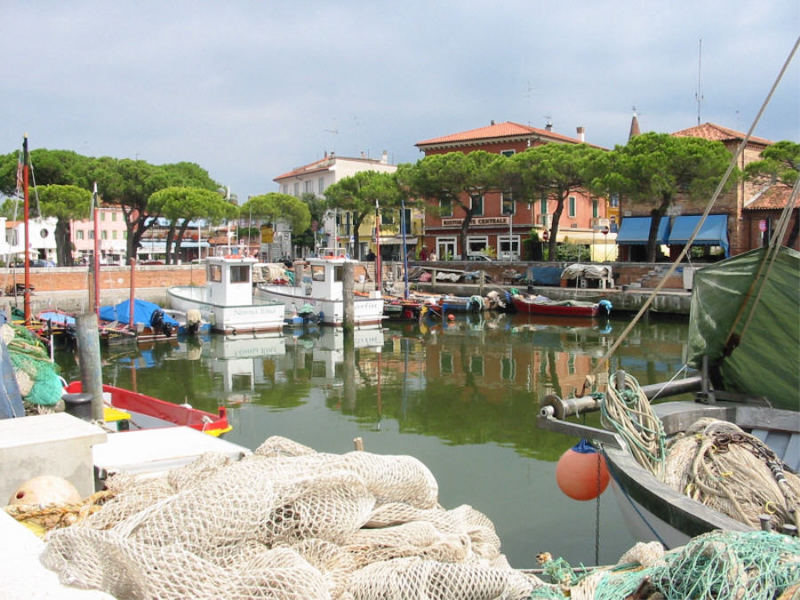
[227, 301]
[401, 309]
[542, 305]
[132, 410]
[138, 320]
[322, 292]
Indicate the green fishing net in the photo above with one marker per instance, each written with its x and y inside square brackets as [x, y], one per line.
[37, 376]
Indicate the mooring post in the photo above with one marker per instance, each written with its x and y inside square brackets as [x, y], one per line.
[348, 316]
[89, 355]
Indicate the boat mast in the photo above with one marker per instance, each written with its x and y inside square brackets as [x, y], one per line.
[96, 258]
[377, 246]
[405, 248]
[27, 293]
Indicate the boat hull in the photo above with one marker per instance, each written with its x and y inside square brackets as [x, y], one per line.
[526, 306]
[231, 319]
[164, 412]
[367, 311]
[655, 512]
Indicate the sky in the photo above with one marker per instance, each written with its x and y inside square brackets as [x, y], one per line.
[249, 90]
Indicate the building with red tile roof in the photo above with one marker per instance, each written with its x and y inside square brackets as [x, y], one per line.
[501, 224]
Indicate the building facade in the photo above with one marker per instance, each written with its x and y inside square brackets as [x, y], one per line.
[113, 236]
[500, 222]
[336, 230]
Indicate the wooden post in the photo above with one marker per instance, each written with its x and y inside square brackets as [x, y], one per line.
[358, 443]
[348, 316]
[91, 369]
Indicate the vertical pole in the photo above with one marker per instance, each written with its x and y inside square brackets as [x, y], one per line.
[378, 262]
[91, 370]
[133, 294]
[348, 294]
[405, 247]
[26, 295]
[96, 261]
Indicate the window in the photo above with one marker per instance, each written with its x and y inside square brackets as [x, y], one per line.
[506, 250]
[297, 189]
[445, 208]
[113, 235]
[318, 273]
[91, 234]
[508, 369]
[102, 215]
[476, 365]
[614, 200]
[508, 203]
[446, 363]
[387, 217]
[543, 206]
[285, 188]
[572, 206]
[508, 153]
[113, 216]
[595, 212]
[79, 234]
[476, 204]
[104, 235]
[214, 273]
[240, 273]
[446, 248]
[320, 185]
[407, 221]
[309, 186]
[477, 244]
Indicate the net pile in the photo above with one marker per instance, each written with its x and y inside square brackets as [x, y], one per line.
[36, 375]
[720, 565]
[731, 471]
[287, 523]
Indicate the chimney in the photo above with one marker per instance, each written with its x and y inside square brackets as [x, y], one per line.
[634, 127]
[581, 133]
[491, 122]
[363, 154]
[548, 126]
[384, 158]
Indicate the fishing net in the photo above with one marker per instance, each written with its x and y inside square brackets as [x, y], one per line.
[36, 375]
[720, 565]
[718, 464]
[287, 522]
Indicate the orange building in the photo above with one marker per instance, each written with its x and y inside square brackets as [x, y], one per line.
[499, 223]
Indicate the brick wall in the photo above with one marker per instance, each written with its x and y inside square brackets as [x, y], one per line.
[111, 278]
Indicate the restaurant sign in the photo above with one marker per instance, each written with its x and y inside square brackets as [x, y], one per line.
[476, 221]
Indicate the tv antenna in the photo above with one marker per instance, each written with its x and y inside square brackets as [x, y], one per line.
[698, 96]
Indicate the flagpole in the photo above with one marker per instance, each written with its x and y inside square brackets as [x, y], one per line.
[378, 247]
[26, 296]
[96, 261]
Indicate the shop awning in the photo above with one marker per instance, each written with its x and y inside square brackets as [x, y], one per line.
[394, 240]
[636, 231]
[714, 231]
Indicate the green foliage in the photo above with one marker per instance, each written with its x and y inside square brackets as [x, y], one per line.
[779, 162]
[275, 207]
[66, 203]
[654, 169]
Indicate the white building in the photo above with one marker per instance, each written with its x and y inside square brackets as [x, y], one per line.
[41, 233]
[316, 177]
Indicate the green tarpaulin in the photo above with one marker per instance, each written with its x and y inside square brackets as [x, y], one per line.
[766, 361]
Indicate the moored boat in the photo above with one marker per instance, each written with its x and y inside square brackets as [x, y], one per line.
[226, 300]
[132, 410]
[323, 293]
[542, 305]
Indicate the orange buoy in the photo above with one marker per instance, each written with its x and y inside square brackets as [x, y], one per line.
[451, 317]
[581, 472]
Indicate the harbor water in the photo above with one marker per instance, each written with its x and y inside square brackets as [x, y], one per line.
[461, 396]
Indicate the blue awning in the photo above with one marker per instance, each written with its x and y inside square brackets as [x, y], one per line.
[714, 231]
[636, 231]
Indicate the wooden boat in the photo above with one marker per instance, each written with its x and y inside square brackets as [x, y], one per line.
[542, 305]
[132, 410]
[323, 293]
[226, 300]
[744, 338]
[141, 320]
[401, 309]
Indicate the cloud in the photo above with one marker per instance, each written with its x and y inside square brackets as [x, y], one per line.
[250, 90]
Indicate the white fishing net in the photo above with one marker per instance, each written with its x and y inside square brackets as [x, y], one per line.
[287, 523]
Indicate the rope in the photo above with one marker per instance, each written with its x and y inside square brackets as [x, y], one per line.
[628, 411]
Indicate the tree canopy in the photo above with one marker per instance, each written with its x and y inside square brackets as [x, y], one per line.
[359, 193]
[66, 203]
[274, 207]
[655, 169]
[779, 162]
[453, 179]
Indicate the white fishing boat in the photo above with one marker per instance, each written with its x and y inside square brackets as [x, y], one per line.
[319, 293]
[226, 300]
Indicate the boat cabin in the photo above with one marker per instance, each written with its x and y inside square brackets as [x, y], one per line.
[326, 273]
[229, 280]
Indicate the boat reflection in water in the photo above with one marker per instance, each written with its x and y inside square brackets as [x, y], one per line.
[462, 396]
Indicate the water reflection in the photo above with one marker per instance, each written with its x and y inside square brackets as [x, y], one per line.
[461, 396]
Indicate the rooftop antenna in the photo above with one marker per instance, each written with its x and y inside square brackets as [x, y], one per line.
[699, 94]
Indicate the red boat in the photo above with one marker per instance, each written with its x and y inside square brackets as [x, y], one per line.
[145, 412]
[541, 305]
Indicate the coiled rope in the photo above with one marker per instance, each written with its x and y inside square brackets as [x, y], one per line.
[629, 413]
